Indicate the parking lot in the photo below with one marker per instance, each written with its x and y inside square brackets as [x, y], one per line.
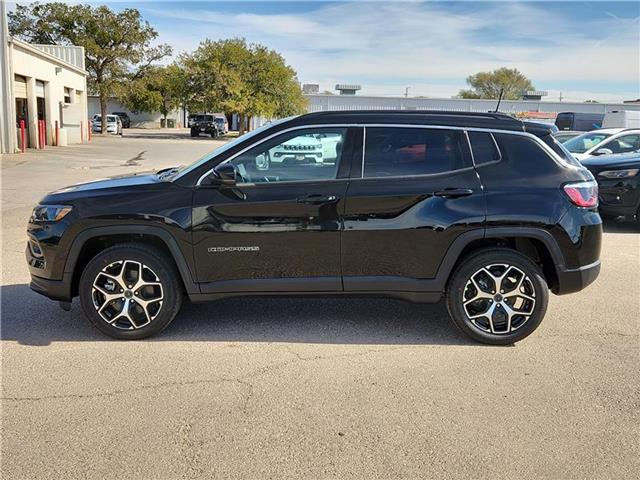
[313, 388]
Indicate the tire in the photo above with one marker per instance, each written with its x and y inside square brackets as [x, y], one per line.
[195, 133]
[513, 316]
[105, 291]
[214, 134]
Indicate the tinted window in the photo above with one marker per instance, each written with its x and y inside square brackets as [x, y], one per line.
[564, 121]
[312, 154]
[484, 147]
[399, 152]
[558, 148]
[521, 148]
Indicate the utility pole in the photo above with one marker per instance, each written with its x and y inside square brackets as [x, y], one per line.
[406, 92]
[560, 97]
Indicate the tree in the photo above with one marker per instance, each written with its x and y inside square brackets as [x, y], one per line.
[245, 79]
[159, 88]
[489, 84]
[117, 44]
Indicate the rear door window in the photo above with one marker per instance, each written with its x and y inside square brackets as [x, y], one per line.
[484, 147]
[400, 152]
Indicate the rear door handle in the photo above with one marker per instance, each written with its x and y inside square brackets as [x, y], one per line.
[318, 199]
[453, 192]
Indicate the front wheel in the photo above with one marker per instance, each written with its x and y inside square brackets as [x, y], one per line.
[195, 132]
[130, 291]
[497, 296]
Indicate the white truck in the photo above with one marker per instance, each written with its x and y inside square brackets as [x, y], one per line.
[622, 119]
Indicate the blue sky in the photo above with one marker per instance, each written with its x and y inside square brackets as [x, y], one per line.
[586, 50]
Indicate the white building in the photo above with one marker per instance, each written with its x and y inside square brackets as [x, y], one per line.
[41, 83]
[321, 103]
[175, 118]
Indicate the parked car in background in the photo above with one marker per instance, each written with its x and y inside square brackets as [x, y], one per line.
[114, 124]
[618, 178]
[606, 141]
[622, 119]
[206, 123]
[564, 135]
[124, 117]
[582, 122]
[222, 124]
[483, 210]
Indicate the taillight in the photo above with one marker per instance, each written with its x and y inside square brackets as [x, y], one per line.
[582, 194]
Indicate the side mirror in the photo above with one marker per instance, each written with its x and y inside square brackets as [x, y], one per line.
[225, 174]
[603, 151]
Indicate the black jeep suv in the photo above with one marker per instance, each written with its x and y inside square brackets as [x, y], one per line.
[207, 124]
[483, 209]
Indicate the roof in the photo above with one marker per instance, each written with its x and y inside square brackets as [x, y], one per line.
[63, 57]
[613, 131]
[417, 117]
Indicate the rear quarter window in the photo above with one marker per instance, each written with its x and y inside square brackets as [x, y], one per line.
[518, 148]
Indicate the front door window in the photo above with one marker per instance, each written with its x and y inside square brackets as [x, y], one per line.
[301, 155]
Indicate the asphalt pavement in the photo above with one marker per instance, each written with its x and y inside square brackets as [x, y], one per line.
[307, 388]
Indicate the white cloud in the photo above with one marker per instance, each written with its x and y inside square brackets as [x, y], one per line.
[386, 45]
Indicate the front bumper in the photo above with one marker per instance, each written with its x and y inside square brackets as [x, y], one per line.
[53, 289]
[576, 279]
[619, 198]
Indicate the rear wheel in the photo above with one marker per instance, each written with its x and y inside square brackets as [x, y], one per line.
[130, 292]
[497, 296]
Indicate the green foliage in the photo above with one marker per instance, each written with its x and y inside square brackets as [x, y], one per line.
[489, 84]
[158, 89]
[117, 44]
[236, 77]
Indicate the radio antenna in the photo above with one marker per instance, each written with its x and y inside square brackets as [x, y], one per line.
[499, 100]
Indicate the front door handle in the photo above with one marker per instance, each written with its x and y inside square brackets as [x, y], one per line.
[318, 199]
[453, 192]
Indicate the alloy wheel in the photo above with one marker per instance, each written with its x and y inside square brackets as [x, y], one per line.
[499, 299]
[127, 294]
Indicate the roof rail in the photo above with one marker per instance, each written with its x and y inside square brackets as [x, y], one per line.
[492, 115]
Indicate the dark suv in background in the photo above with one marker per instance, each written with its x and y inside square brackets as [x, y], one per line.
[209, 124]
[124, 117]
[483, 209]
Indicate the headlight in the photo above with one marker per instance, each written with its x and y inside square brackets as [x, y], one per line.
[631, 172]
[49, 213]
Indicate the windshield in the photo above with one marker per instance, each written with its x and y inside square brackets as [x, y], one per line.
[227, 146]
[584, 142]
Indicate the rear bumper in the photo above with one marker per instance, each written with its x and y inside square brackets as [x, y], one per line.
[574, 280]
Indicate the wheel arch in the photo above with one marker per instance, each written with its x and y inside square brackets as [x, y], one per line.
[537, 244]
[92, 241]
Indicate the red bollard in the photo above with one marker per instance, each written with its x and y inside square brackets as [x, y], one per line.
[57, 134]
[39, 134]
[90, 128]
[22, 136]
[43, 132]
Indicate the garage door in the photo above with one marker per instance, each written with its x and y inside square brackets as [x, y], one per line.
[20, 87]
